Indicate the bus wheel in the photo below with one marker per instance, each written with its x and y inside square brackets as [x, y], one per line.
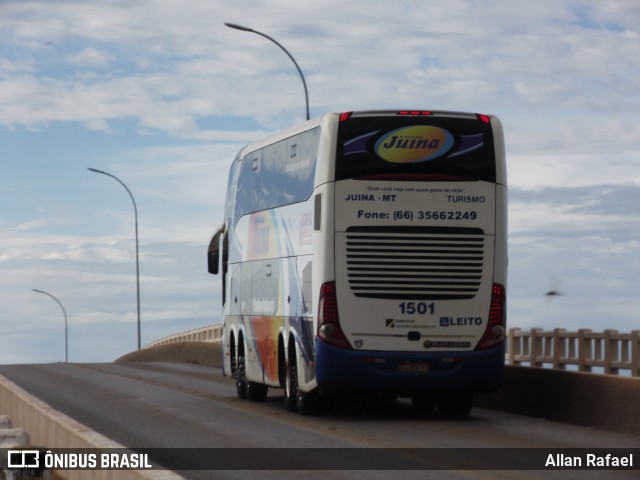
[256, 392]
[233, 360]
[456, 404]
[291, 382]
[241, 377]
[294, 400]
[424, 403]
[307, 402]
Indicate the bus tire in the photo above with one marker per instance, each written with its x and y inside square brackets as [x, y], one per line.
[256, 392]
[291, 382]
[233, 358]
[456, 404]
[424, 404]
[241, 377]
[307, 403]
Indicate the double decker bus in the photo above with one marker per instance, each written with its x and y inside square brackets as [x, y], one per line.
[367, 252]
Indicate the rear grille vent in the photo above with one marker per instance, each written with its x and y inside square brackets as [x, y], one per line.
[415, 263]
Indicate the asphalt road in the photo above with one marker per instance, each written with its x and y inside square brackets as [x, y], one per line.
[184, 407]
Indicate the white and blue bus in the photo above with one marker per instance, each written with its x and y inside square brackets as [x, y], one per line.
[367, 252]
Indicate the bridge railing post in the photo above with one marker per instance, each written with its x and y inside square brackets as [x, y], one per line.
[513, 346]
[611, 352]
[537, 350]
[585, 350]
[559, 347]
[635, 353]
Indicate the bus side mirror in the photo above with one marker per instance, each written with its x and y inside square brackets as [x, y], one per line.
[213, 252]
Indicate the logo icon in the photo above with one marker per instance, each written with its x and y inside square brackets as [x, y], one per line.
[23, 459]
[415, 144]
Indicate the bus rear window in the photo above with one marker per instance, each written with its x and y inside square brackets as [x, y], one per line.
[420, 148]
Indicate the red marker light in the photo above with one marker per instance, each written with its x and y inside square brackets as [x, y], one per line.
[345, 116]
[484, 118]
[414, 112]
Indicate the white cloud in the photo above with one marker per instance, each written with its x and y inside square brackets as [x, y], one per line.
[439, 58]
[92, 57]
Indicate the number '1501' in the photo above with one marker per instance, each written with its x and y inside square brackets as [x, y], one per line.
[421, 308]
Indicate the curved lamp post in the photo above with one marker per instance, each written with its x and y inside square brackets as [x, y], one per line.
[135, 211]
[66, 326]
[304, 84]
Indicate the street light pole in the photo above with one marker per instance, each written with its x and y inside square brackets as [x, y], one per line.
[135, 211]
[66, 326]
[304, 84]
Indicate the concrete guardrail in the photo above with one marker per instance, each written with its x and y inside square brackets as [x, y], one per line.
[47, 428]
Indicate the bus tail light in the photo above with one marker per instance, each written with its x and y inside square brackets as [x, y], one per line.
[496, 325]
[328, 321]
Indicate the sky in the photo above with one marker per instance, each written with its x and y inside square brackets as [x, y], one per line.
[162, 95]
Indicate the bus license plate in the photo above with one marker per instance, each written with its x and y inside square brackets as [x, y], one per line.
[417, 367]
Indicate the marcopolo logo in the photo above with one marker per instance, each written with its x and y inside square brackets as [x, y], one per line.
[414, 144]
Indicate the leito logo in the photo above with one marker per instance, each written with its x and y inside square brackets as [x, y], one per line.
[414, 144]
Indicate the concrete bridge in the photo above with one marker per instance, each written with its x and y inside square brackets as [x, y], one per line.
[603, 402]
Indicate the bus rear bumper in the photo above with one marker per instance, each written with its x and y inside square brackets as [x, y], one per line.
[408, 373]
